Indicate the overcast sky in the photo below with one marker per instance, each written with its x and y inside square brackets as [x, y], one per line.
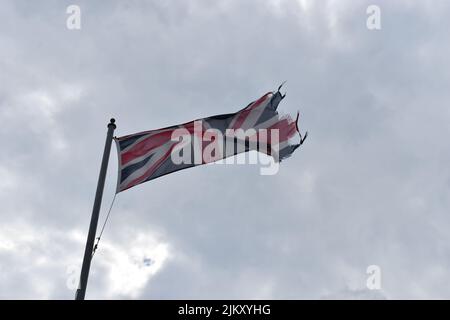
[369, 187]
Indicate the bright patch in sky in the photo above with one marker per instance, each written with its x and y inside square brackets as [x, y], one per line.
[130, 266]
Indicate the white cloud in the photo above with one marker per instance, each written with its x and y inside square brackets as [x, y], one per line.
[129, 267]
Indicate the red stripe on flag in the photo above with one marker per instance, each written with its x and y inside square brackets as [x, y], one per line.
[151, 170]
[286, 129]
[244, 113]
[150, 143]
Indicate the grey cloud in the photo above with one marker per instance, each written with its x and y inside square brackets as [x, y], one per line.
[370, 185]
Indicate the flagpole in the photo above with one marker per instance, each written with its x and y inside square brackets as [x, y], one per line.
[81, 291]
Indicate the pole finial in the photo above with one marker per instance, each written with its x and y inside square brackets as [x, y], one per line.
[112, 123]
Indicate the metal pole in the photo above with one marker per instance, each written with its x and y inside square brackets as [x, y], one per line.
[81, 291]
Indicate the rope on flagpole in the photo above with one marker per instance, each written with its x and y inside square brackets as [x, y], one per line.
[103, 227]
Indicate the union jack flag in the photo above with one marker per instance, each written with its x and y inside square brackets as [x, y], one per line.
[146, 155]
